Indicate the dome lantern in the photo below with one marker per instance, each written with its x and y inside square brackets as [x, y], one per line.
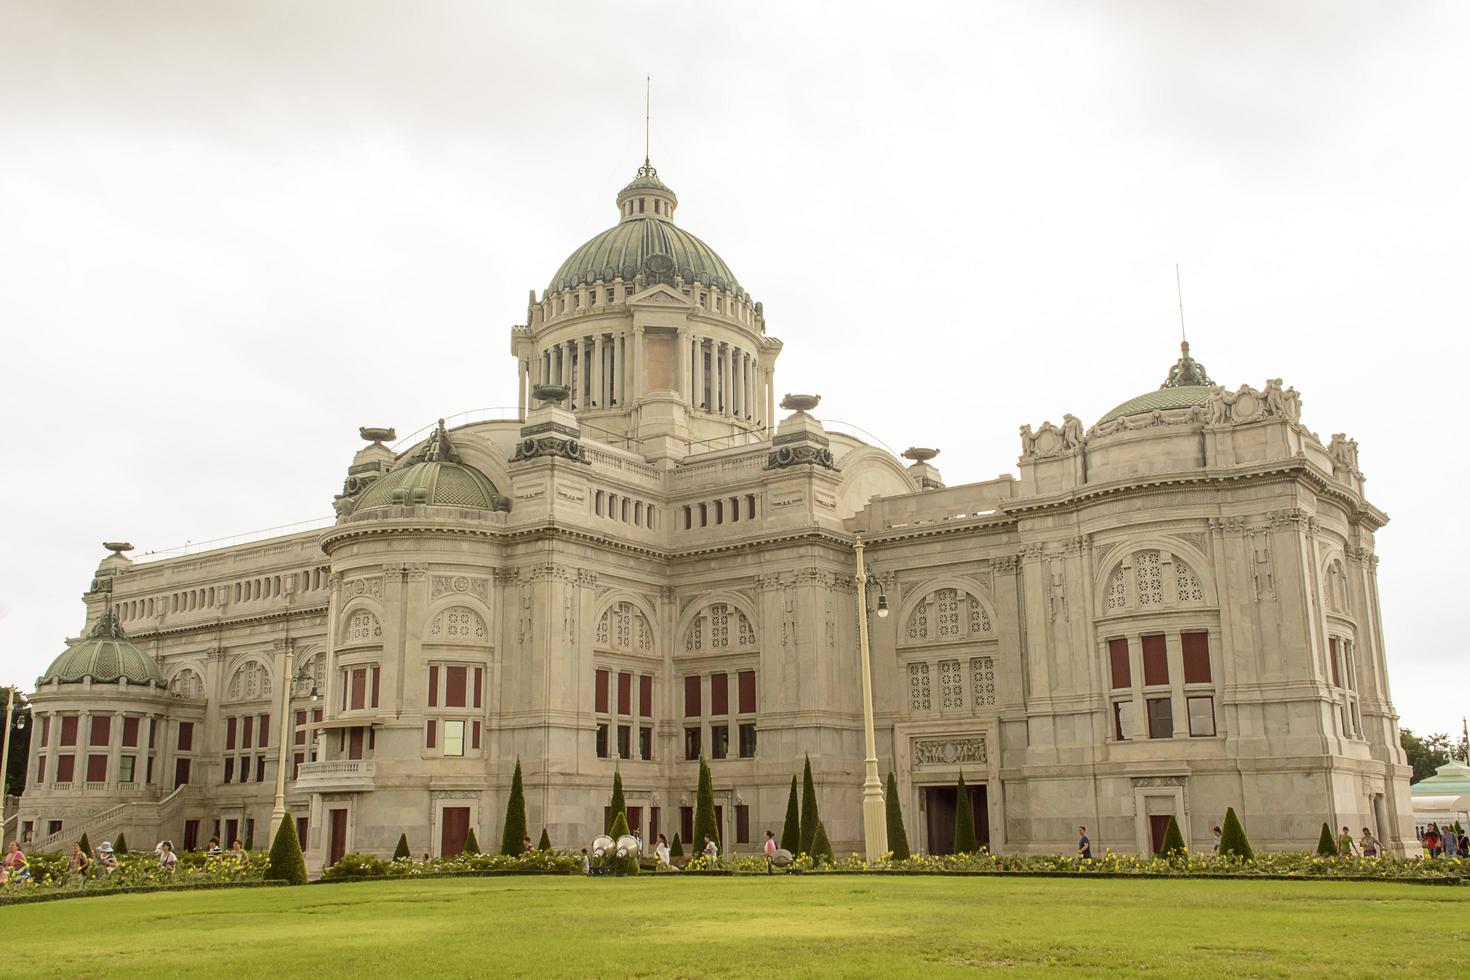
[647, 197]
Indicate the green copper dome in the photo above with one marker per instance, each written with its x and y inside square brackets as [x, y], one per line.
[106, 656]
[435, 476]
[645, 242]
[1187, 385]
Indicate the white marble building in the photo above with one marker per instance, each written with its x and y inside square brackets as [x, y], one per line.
[1172, 612]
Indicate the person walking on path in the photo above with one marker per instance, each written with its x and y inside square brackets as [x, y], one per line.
[711, 851]
[214, 849]
[1345, 848]
[106, 860]
[586, 862]
[770, 849]
[167, 859]
[1216, 832]
[1368, 845]
[77, 864]
[1451, 843]
[237, 853]
[661, 854]
[1084, 846]
[1431, 840]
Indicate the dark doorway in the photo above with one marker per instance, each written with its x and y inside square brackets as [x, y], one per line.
[354, 744]
[191, 834]
[1158, 824]
[939, 808]
[232, 829]
[454, 830]
[303, 824]
[337, 840]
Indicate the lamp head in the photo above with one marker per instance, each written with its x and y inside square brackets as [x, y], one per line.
[882, 606]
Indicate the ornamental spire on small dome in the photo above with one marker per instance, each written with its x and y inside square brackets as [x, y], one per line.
[437, 448]
[107, 626]
[1186, 372]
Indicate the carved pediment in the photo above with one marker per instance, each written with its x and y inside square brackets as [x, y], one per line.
[660, 294]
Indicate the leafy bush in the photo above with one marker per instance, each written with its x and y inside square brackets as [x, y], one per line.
[1326, 843]
[676, 849]
[401, 852]
[513, 837]
[964, 820]
[791, 832]
[809, 815]
[286, 861]
[822, 847]
[1173, 844]
[898, 841]
[545, 843]
[1233, 841]
[356, 866]
[471, 846]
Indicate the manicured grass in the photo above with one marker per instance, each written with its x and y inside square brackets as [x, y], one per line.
[785, 925]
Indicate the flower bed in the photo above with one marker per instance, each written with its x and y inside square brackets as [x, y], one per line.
[136, 872]
[365, 866]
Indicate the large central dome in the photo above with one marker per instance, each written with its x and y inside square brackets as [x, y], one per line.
[645, 241]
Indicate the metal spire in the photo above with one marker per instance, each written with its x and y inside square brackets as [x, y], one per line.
[1179, 291]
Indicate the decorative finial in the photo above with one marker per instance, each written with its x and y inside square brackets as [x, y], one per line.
[438, 449]
[550, 393]
[800, 403]
[378, 434]
[107, 626]
[1186, 372]
[919, 454]
[117, 547]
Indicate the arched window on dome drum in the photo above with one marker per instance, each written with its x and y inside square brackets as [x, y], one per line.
[1152, 578]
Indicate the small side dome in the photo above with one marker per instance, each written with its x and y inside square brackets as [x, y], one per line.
[435, 476]
[1188, 385]
[105, 656]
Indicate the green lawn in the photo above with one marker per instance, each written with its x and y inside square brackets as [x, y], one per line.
[786, 925]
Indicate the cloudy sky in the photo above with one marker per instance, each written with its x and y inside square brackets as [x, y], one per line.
[230, 233]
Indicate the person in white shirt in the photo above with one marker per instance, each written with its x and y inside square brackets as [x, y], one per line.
[661, 852]
[711, 850]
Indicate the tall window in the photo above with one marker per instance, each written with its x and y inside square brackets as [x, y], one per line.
[726, 715]
[619, 701]
[1139, 673]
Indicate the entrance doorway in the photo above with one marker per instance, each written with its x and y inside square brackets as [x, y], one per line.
[940, 803]
[454, 830]
[1158, 825]
[337, 838]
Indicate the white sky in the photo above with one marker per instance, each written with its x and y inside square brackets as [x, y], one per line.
[230, 233]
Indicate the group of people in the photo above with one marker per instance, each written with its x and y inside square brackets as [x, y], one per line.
[1444, 842]
[14, 868]
[664, 860]
[1367, 846]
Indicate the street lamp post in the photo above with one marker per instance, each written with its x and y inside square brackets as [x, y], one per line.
[875, 817]
[292, 679]
[5, 760]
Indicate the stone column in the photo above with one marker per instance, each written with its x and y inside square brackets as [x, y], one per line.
[624, 375]
[145, 743]
[522, 370]
[114, 750]
[698, 386]
[737, 389]
[636, 388]
[53, 747]
[752, 384]
[770, 400]
[599, 376]
[722, 396]
[83, 748]
[681, 366]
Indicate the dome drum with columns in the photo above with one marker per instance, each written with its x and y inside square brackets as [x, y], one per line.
[1169, 613]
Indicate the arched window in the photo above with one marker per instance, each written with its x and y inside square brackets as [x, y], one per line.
[251, 682]
[624, 627]
[187, 684]
[458, 625]
[720, 627]
[948, 614]
[1151, 579]
[363, 627]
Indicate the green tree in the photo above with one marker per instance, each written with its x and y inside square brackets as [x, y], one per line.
[20, 741]
[1173, 845]
[676, 849]
[286, 861]
[791, 832]
[1427, 753]
[1326, 843]
[964, 820]
[121, 846]
[401, 852]
[704, 809]
[471, 845]
[1233, 839]
[86, 845]
[619, 830]
[898, 841]
[514, 835]
[809, 815]
[618, 804]
[821, 846]
[545, 843]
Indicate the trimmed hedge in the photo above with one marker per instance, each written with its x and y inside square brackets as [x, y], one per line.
[791, 831]
[964, 821]
[809, 815]
[1233, 841]
[898, 840]
[1326, 843]
[287, 863]
[1173, 844]
[25, 895]
[511, 840]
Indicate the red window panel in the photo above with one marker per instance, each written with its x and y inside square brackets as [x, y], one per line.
[229, 733]
[181, 772]
[263, 731]
[1155, 660]
[475, 735]
[247, 731]
[691, 697]
[68, 729]
[45, 730]
[719, 694]
[599, 694]
[186, 737]
[1118, 661]
[372, 740]
[645, 695]
[454, 686]
[359, 688]
[130, 732]
[40, 776]
[433, 687]
[625, 693]
[96, 768]
[101, 731]
[1196, 657]
[747, 691]
[431, 733]
[346, 678]
[376, 676]
[479, 686]
[297, 758]
[1332, 658]
[65, 768]
[300, 738]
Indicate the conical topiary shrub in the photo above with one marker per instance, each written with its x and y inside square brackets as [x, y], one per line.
[471, 845]
[619, 829]
[791, 832]
[898, 841]
[704, 810]
[809, 815]
[86, 845]
[120, 846]
[619, 805]
[513, 838]
[1326, 844]
[401, 852]
[287, 863]
[676, 849]
[1233, 839]
[545, 843]
[249, 836]
[964, 820]
[1173, 845]
[821, 846]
